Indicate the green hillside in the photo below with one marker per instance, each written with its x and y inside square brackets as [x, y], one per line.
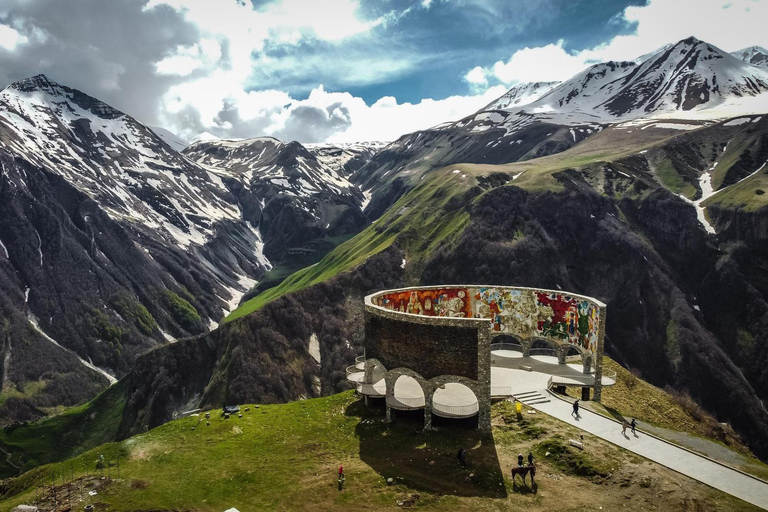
[64, 435]
[433, 213]
[285, 457]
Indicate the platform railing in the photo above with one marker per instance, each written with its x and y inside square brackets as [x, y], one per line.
[610, 374]
[359, 359]
[353, 369]
[506, 346]
[568, 380]
[497, 391]
[455, 410]
[413, 402]
[543, 352]
[366, 388]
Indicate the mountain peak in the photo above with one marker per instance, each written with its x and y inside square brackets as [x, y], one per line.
[38, 82]
[690, 41]
[755, 55]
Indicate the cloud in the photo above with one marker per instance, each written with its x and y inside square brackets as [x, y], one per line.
[107, 49]
[656, 24]
[9, 37]
[323, 115]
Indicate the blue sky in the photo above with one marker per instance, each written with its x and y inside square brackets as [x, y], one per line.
[340, 70]
[453, 37]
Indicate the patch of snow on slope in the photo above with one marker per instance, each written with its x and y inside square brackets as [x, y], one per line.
[5, 250]
[33, 321]
[367, 195]
[737, 122]
[314, 347]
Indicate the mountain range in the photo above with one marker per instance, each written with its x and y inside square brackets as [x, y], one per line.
[641, 183]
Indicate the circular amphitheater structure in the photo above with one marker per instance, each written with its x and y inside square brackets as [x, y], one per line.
[434, 347]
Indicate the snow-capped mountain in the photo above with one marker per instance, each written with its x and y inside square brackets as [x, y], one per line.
[345, 158]
[755, 55]
[112, 241]
[521, 94]
[113, 158]
[289, 167]
[296, 193]
[690, 79]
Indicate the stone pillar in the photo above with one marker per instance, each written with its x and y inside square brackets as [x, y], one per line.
[599, 357]
[483, 391]
[585, 394]
[527, 348]
[561, 352]
[389, 414]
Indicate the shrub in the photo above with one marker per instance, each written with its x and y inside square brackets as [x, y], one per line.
[181, 310]
[129, 308]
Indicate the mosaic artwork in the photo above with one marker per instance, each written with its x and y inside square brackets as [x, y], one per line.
[524, 313]
[450, 302]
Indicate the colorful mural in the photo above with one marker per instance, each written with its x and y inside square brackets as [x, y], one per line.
[451, 302]
[522, 312]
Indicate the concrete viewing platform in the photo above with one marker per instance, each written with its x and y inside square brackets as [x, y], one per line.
[511, 374]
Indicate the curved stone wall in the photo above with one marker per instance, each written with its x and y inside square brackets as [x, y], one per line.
[525, 313]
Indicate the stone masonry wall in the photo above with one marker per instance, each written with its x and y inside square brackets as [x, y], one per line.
[430, 350]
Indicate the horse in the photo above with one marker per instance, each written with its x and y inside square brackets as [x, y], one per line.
[523, 471]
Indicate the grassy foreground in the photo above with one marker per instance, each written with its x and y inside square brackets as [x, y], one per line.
[285, 457]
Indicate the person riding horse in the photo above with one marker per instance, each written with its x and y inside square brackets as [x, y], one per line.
[523, 472]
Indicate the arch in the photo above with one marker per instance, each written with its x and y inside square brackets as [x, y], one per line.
[370, 365]
[507, 341]
[411, 393]
[546, 350]
[458, 400]
[572, 350]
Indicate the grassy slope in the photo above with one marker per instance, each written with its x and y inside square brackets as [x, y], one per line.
[285, 457]
[743, 195]
[64, 435]
[420, 221]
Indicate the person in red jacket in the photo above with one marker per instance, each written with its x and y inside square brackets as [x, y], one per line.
[341, 477]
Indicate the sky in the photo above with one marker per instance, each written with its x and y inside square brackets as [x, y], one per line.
[338, 70]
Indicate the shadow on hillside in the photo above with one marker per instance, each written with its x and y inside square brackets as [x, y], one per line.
[427, 461]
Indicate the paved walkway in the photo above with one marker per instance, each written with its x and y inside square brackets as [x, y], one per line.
[692, 465]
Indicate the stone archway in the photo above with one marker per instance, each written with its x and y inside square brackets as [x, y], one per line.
[391, 378]
[482, 395]
[370, 364]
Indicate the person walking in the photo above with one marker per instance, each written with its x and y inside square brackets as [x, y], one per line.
[520, 460]
[462, 456]
[633, 424]
[575, 412]
[624, 426]
[342, 478]
[530, 458]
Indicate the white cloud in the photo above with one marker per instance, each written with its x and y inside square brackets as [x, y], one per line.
[476, 76]
[543, 64]
[189, 58]
[728, 24]
[227, 111]
[10, 38]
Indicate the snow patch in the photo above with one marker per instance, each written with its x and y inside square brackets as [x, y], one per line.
[737, 122]
[314, 347]
[5, 250]
[33, 321]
